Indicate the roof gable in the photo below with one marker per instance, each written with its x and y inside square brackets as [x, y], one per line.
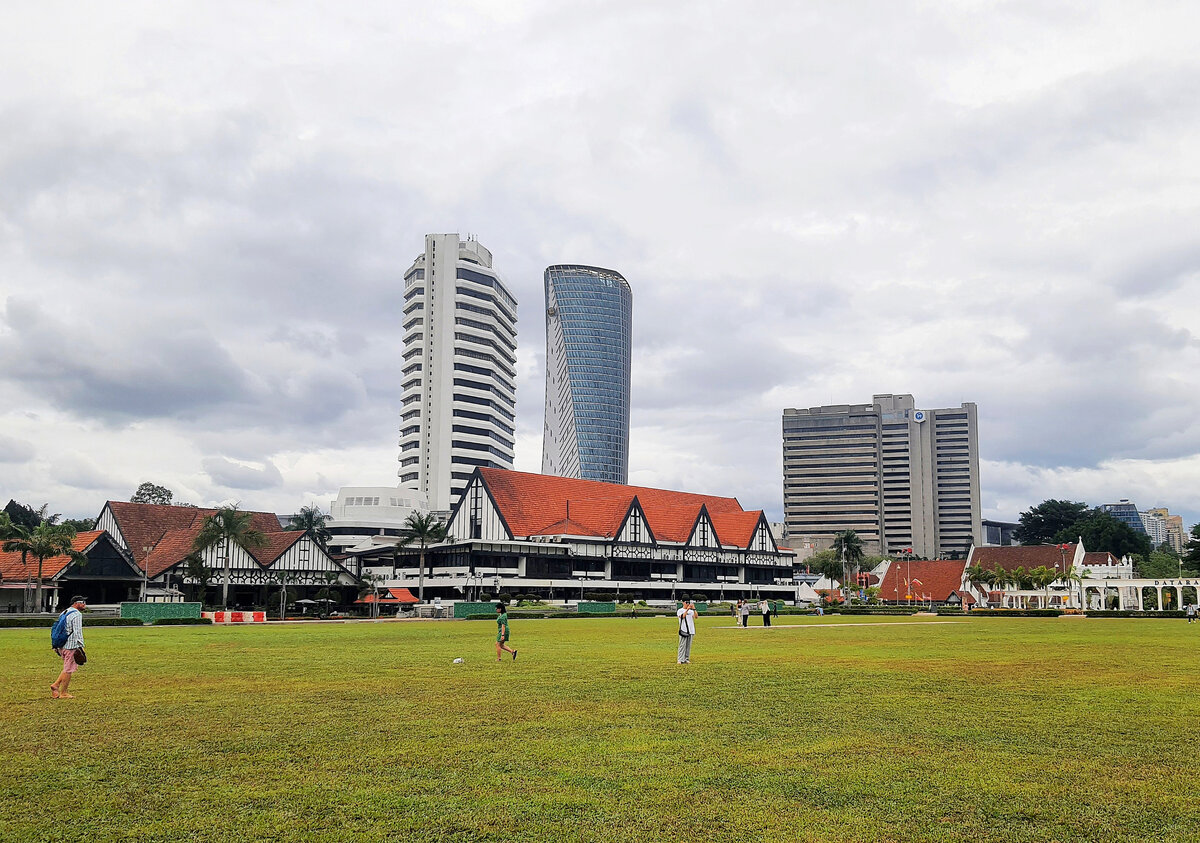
[933, 579]
[1024, 556]
[52, 566]
[143, 525]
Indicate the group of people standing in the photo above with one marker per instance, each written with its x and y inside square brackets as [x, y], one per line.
[742, 610]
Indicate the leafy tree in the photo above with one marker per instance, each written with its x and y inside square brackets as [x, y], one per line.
[311, 520]
[1159, 565]
[1102, 532]
[981, 578]
[80, 525]
[1040, 524]
[152, 493]
[47, 540]
[423, 529]
[827, 564]
[227, 526]
[1192, 548]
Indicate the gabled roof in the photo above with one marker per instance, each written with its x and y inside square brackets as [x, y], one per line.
[938, 579]
[175, 545]
[390, 595]
[142, 525]
[736, 528]
[538, 504]
[1023, 556]
[10, 563]
[1096, 558]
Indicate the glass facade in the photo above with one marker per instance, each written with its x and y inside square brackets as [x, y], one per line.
[589, 341]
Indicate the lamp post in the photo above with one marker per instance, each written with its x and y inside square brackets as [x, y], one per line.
[146, 570]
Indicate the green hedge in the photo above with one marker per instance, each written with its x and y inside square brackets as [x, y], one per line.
[1133, 613]
[1015, 613]
[182, 621]
[47, 622]
[862, 610]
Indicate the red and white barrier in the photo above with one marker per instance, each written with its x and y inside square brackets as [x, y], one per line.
[236, 617]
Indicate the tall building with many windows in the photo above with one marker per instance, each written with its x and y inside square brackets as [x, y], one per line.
[458, 409]
[589, 341]
[899, 477]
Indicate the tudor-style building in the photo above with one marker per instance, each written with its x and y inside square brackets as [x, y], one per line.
[160, 538]
[108, 575]
[558, 537]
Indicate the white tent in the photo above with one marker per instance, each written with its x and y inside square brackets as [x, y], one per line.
[807, 594]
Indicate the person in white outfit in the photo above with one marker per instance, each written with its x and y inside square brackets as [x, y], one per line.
[687, 630]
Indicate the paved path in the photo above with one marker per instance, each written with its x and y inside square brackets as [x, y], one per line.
[836, 625]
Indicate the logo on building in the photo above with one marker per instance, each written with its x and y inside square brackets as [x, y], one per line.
[919, 416]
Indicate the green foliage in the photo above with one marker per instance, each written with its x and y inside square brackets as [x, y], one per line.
[1040, 524]
[152, 493]
[826, 563]
[228, 526]
[1102, 532]
[79, 525]
[422, 529]
[311, 520]
[27, 516]
[1192, 548]
[1158, 565]
[848, 546]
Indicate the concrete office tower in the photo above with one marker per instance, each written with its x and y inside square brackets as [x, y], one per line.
[458, 409]
[589, 341]
[899, 477]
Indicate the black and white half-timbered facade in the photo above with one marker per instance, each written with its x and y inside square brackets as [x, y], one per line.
[559, 537]
[161, 538]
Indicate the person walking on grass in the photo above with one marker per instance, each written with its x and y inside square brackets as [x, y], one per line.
[687, 629]
[745, 610]
[1191, 612]
[765, 608]
[72, 652]
[502, 632]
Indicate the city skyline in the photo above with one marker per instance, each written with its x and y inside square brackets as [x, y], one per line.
[205, 215]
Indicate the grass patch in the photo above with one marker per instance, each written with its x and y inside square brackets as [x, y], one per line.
[846, 729]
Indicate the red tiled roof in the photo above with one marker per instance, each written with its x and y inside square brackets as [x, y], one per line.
[937, 579]
[1095, 558]
[143, 524]
[10, 563]
[537, 504]
[1023, 556]
[403, 595]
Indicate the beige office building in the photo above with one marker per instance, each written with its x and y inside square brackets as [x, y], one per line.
[899, 477]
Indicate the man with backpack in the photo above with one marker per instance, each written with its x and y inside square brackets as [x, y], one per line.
[67, 640]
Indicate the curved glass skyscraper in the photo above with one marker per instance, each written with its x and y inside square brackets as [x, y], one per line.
[589, 340]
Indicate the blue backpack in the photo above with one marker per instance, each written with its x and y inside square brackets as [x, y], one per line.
[58, 632]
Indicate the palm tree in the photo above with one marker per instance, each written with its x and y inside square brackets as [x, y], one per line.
[12, 535]
[198, 572]
[311, 520]
[423, 529]
[1043, 576]
[848, 546]
[978, 576]
[47, 540]
[225, 526]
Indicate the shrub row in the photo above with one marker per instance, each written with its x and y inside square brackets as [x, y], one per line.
[182, 621]
[1133, 613]
[882, 610]
[1011, 613]
[47, 622]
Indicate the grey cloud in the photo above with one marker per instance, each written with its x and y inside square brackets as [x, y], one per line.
[225, 472]
[13, 450]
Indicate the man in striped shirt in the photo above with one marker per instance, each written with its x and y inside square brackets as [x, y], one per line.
[74, 645]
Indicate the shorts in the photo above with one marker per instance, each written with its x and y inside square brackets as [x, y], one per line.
[500, 639]
[68, 657]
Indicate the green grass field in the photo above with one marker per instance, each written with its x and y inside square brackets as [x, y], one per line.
[838, 729]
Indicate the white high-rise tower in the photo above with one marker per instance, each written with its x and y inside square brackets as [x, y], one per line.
[459, 403]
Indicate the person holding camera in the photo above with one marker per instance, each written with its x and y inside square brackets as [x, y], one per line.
[687, 630]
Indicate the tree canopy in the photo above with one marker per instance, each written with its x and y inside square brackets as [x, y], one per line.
[1102, 532]
[1042, 523]
[152, 493]
[311, 520]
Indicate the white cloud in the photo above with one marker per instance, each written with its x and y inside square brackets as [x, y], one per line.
[203, 230]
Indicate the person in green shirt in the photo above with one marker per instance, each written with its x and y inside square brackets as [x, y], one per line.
[502, 632]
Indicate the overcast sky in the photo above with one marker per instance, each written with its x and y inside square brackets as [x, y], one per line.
[206, 210]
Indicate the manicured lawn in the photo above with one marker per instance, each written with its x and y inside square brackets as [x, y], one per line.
[840, 729]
